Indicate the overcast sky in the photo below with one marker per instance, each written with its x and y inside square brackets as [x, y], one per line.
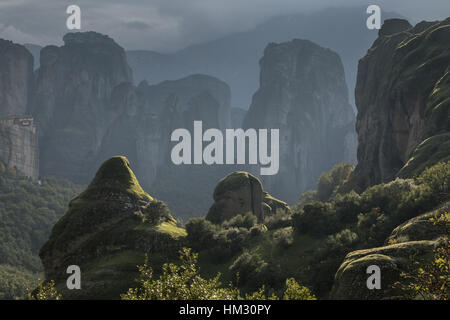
[169, 25]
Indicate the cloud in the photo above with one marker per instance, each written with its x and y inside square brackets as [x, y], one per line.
[168, 25]
[138, 25]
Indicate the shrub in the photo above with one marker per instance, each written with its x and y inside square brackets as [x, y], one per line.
[316, 219]
[283, 238]
[228, 242]
[241, 221]
[248, 268]
[295, 291]
[200, 233]
[46, 291]
[438, 179]
[281, 219]
[329, 182]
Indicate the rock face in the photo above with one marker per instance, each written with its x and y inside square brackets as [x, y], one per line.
[240, 193]
[416, 238]
[72, 102]
[18, 140]
[19, 150]
[16, 78]
[106, 232]
[142, 133]
[303, 94]
[402, 95]
[237, 116]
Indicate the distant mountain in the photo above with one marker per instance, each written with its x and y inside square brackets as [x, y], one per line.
[234, 58]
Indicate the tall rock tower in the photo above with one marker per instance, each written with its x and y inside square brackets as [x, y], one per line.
[19, 146]
[18, 140]
[402, 99]
[303, 94]
[72, 102]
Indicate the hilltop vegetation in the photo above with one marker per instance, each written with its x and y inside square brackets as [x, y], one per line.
[311, 243]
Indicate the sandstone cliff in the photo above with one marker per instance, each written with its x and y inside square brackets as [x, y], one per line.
[106, 232]
[16, 78]
[72, 102]
[303, 93]
[402, 99]
[142, 133]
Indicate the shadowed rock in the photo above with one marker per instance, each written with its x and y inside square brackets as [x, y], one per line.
[106, 231]
[240, 193]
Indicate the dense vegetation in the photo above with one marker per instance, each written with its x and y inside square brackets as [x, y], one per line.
[28, 210]
[311, 243]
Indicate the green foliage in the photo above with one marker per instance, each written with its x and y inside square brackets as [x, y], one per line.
[294, 291]
[28, 211]
[46, 291]
[283, 238]
[241, 221]
[357, 221]
[330, 182]
[184, 282]
[430, 281]
[316, 219]
[249, 269]
[281, 219]
[200, 233]
[437, 178]
[15, 283]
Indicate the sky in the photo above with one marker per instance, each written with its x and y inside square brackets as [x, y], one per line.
[170, 25]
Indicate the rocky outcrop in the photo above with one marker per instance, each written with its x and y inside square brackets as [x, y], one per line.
[198, 96]
[19, 152]
[72, 105]
[402, 96]
[413, 241]
[16, 78]
[240, 193]
[142, 133]
[303, 94]
[106, 232]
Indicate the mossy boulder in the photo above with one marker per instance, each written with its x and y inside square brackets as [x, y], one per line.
[239, 193]
[419, 228]
[413, 241]
[107, 231]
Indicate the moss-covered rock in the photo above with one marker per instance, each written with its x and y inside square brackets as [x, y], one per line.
[413, 241]
[431, 151]
[419, 228]
[107, 231]
[241, 192]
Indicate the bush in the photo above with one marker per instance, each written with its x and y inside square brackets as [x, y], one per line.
[228, 242]
[283, 238]
[281, 219]
[200, 233]
[330, 182]
[248, 268]
[295, 291]
[316, 219]
[241, 221]
[373, 227]
[438, 179]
